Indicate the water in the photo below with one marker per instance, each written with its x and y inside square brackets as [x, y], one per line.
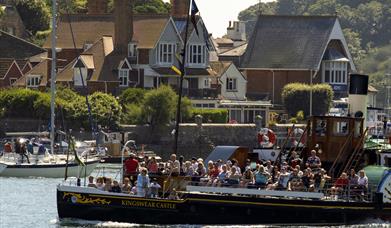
[31, 202]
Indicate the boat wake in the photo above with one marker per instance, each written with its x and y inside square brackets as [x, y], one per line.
[369, 223]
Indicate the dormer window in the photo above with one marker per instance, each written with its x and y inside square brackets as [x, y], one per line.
[132, 49]
[196, 54]
[123, 73]
[335, 72]
[79, 73]
[33, 81]
[166, 53]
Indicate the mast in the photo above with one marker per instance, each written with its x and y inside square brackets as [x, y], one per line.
[178, 111]
[53, 76]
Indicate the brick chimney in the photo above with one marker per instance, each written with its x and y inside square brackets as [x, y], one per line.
[123, 25]
[97, 6]
[179, 8]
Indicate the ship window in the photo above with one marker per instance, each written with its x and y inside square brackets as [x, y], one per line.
[321, 127]
[341, 128]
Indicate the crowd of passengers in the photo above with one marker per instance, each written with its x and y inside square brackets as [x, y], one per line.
[292, 175]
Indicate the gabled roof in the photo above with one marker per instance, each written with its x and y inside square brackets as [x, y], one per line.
[88, 28]
[5, 65]
[288, 42]
[16, 48]
[40, 69]
[97, 61]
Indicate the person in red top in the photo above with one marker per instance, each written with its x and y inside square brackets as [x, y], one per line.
[340, 184]
[131, 165]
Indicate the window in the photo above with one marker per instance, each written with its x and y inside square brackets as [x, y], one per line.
[166, 53]
[123, 76]
[341, 128]
[206, 83]
[33, 81]
[132, 50]
[335, 72]
[196, 54]
[78, 72]
[12, 81]
[231, 84]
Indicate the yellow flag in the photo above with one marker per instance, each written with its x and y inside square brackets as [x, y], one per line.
[176, 70]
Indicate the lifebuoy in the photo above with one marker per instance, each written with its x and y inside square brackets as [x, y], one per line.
[266, 136]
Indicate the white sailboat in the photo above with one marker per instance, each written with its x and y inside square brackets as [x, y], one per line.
[47, 164]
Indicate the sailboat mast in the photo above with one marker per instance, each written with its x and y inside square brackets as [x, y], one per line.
[53, 76]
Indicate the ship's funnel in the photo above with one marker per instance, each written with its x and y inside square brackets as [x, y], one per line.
[358, 91]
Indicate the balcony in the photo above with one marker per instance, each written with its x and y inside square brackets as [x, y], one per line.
[200, 93]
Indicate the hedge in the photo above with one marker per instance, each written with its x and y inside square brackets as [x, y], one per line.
[211, 115]
[296, 97]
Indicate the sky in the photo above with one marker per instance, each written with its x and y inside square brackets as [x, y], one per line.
[217, 13]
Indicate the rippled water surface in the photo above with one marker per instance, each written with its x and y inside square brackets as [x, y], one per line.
[31, 202]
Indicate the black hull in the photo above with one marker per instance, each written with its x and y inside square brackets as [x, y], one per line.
[212, 209]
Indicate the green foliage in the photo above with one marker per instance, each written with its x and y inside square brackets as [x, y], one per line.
[132, 114]
[293, 120]
[300, 115]
[132, 96]
[186, 108]
[26, 103]
[159, 106]
[253, 11]
[35, 15]
[211, 115]
[378, 64]
[296, 97]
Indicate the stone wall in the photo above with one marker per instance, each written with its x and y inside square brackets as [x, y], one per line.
[193, 140]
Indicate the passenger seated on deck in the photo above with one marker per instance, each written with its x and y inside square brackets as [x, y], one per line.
[340, 185]
[353, 179]
[294, 160]
[261, 177]
[247, 178]
[115, 187]
[307, 179]
[152, 166]
[126, 187]
[362, 183]
[173, 165]
[100, 183]
[173, 195]
[295, 183]
[235, 164]
[269, 167]
[222, 177]
[233, 177]
[188, 169]
[108, 184]
[213, 172]
[199, 173]
[320, 179]
[313, 161]
[91, 182]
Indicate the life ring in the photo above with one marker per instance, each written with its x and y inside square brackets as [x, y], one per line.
[266, 136]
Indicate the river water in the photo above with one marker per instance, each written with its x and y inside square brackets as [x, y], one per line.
[31, 202]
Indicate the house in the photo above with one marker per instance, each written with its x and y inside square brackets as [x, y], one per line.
[285, 49]
[10, 21]
[17, 57]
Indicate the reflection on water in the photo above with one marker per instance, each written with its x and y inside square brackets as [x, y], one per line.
[31, 202]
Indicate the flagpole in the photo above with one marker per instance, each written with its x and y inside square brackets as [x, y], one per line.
[178, 111]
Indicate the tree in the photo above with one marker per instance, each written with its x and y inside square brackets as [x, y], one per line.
[132, 96]
[35, 15]
[253, 11]
[159, 106]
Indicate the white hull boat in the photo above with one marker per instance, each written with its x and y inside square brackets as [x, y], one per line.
[53, 167]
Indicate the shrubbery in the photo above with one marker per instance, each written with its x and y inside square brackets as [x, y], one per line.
[26, 103]
[296, 97]
[211, 115]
